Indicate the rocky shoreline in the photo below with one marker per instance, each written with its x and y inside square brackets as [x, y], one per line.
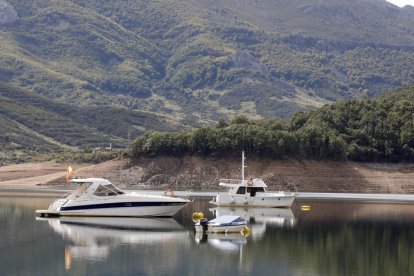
[203, 174]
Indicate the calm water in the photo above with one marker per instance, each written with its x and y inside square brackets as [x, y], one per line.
[333, 238]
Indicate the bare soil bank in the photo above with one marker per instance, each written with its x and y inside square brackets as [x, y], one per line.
[201, 174]
[32, 175]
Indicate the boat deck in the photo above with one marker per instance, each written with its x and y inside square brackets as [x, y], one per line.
[47, 213]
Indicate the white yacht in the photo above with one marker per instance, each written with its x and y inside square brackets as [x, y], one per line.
[251, 192]
[99, 197]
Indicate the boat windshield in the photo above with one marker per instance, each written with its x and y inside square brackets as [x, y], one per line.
[255, 189]
[241, 190]
[79, 191]
[107, 190]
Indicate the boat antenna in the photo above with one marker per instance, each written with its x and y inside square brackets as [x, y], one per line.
[243, 166]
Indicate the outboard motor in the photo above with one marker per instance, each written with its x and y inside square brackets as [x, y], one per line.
[204, 224]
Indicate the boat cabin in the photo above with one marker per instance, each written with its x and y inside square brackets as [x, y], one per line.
[244, 187]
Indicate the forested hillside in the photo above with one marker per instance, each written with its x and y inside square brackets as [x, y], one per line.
[203, 60]
[379, 129]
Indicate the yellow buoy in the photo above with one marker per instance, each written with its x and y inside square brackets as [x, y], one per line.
[305, 208]
[197, 216]
[245, 232]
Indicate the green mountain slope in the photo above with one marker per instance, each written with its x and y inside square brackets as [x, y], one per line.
[353, 21]
[32, 124]
[202, 60]
[18, 142]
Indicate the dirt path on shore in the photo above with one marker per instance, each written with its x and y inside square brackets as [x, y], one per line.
[203, 174]
[32, 175]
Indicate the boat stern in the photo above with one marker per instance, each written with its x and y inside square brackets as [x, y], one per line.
[54, 209]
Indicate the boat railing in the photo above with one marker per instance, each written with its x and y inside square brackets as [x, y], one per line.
[231, 181]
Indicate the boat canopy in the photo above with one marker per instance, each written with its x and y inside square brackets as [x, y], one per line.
[223, 220]
[96, 186]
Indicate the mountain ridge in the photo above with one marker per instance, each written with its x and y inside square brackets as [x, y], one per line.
[199, 61]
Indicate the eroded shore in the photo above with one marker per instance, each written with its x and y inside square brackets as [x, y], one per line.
[202, 174]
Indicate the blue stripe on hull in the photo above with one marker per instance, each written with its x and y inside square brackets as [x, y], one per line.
[120, 205]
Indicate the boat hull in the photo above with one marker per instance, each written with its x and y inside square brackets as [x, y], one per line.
[283, 201]
[117, 209]
[221, 229]
[140, 211]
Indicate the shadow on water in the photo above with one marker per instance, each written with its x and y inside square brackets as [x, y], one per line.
[332, 238]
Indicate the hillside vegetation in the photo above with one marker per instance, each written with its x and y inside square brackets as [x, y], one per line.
[380, 129]
[32, 124]
[203, 60]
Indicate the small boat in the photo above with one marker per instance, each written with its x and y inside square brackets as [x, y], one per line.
[250, 192]
[222, 224]
[99, 197]
[276, 217]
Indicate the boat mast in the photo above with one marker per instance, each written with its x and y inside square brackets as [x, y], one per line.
[243, 166]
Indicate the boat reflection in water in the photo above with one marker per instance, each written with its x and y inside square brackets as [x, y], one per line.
[93, 237]
[230, 242]
[259, 218]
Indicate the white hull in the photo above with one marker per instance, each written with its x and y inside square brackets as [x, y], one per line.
[259, 215]
[220, 229]
[259, 218]
[160, 211]
[257, 201]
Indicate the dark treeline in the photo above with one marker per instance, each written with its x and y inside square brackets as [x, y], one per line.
[380, 129]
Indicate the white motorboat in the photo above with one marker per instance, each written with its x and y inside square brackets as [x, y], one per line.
[277, 217]
[259, 219]
[222, 224]
[251, 192]
[99, 197]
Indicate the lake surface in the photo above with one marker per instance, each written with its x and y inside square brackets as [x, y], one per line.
[332, 238]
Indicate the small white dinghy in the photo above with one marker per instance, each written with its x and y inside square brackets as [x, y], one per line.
[222, 224]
